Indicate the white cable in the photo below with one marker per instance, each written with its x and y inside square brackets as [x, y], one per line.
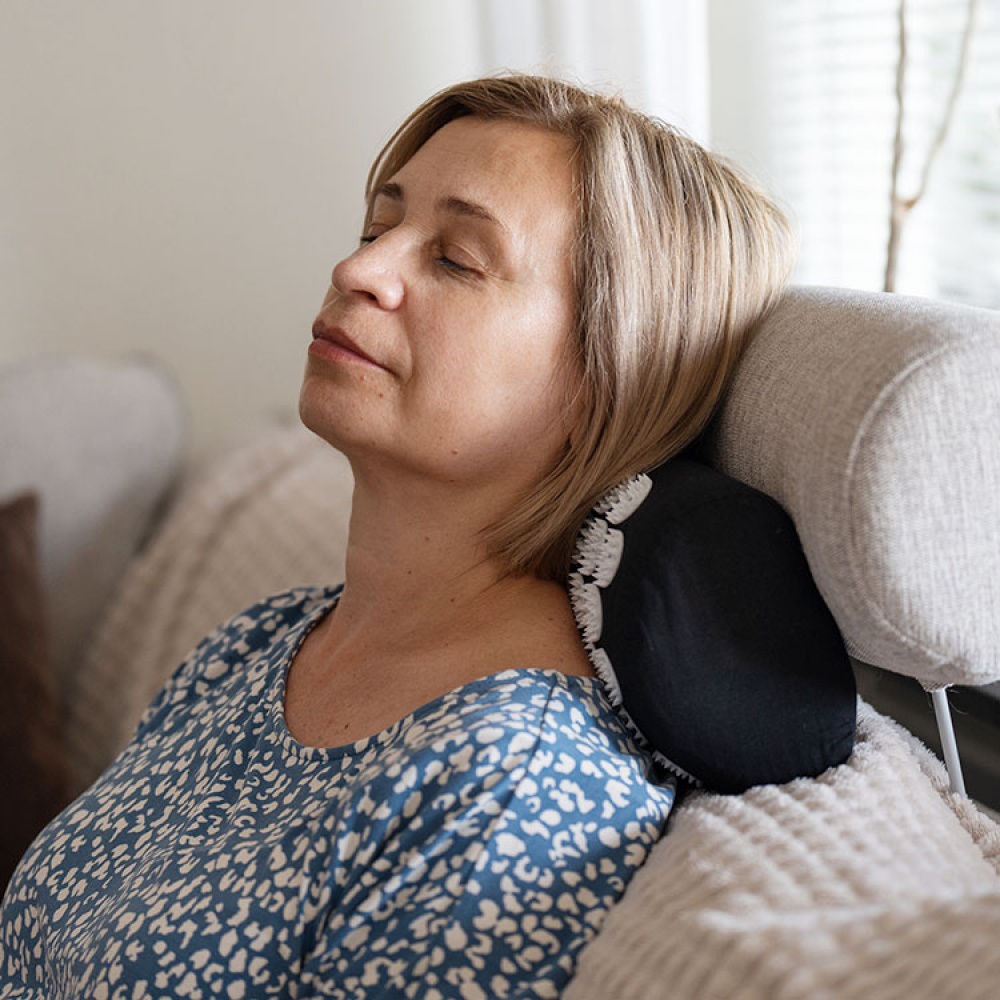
[946, 731]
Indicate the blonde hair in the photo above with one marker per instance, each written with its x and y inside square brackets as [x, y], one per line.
[677, 257]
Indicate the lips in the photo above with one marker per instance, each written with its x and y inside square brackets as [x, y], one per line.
[335, 335]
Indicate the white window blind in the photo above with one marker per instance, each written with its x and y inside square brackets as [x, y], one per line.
[830, 92]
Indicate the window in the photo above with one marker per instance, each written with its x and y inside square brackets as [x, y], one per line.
[826, 80]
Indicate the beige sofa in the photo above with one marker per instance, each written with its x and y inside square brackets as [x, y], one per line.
[870, 418]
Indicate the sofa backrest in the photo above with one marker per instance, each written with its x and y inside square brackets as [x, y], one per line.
[874, 420]
[100, 441]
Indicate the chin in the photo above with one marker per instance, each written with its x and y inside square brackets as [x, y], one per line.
[316, 416]
[341, 426]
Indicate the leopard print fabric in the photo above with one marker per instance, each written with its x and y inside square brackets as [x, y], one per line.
[470, 850]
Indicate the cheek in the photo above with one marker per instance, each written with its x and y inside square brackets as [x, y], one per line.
[539, 361]
[491, 363]
[520, 373]
[520, 396]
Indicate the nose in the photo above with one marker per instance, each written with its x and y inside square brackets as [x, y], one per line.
[371, 272]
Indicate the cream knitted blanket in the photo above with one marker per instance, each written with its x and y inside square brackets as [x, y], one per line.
[270, 515]
[872, 881]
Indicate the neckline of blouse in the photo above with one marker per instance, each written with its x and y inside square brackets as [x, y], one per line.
[292, 641]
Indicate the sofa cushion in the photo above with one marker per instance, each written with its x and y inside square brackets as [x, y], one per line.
[100, 441]
[33, 773]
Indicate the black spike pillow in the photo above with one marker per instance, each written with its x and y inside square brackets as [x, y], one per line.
[699, 613]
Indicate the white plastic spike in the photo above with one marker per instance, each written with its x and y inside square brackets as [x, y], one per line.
[589, 551]
[624, 499]
[585, 600]
[637, 735]
[942, 711]
[676, 769]
[606, 674]
[598, 551]
[610, 557]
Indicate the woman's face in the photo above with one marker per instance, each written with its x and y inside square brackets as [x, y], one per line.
[439, 345]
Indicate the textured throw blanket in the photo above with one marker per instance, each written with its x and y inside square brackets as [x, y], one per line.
[872, 881]
[268, 516]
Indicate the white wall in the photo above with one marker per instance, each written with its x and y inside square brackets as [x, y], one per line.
[179, 177]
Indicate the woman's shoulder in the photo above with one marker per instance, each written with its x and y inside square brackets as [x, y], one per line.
[233, 645]
[254, 628]
[544, 720]
[259, 624]
[527, 771]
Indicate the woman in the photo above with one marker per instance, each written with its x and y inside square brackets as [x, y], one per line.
[413, 785]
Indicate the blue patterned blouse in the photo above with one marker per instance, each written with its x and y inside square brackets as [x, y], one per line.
[469, 850]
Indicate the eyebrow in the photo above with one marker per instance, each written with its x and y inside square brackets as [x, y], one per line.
[450, 203]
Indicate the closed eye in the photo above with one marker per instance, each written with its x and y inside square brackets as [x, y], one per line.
[451, 265]
[443, 260]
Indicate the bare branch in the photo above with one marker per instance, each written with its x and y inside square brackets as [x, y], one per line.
[949, 111]
[899, 208]
[896, 211]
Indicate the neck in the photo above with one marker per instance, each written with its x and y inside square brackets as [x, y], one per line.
[417, 569]
[425, 608]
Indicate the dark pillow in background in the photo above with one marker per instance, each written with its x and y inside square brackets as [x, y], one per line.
[33, 772]
[729, 661]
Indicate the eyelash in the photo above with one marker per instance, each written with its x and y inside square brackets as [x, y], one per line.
[446, 262]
